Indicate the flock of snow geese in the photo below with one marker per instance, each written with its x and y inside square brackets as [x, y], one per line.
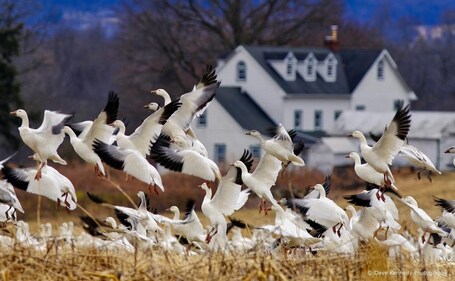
[314, 222]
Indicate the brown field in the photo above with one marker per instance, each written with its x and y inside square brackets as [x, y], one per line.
[370, 263]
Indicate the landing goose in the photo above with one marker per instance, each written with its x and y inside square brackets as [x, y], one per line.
[193, 104]
[448, 210]
[216, 218]
[421, 218]
[321, 210]
[147, 132]
[9, 198]
[280, 146]
[52, 184]
[131, 162]
[190, 227]
[419, 160]
[381, 154]
[262, 178]
[184, 160]
[367, 173]
[97, 129]
[46, 139]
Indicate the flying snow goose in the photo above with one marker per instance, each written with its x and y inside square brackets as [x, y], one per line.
[184, 160]
[381, 154]
[9, 198]
[448, 210]
[421, 218]
[216, 218]
[313, 193]
[52, 185]
[193, 104]
[321, 210]
[147, 132]
[419, 160]
[97, 129]
[46, 139]
[131, 162]
[190, 227]
[367, 173]
[279, 146]
[262, 178]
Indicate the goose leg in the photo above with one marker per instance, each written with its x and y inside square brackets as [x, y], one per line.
[264, 207]
[429, 176]
[38, 173]
[66, 200]
[7, 214]
[418, 174]
[335, 227]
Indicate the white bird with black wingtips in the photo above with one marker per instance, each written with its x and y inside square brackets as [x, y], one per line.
[46, 139]
[131, 162]
[52, 184]
[9, 198]
[97, 129]
[380, 155]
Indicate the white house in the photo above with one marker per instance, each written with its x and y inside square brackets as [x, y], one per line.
[305, 89]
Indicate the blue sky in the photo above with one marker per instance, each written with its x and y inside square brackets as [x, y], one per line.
[84, 12]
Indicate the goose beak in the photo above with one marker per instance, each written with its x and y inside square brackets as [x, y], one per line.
[168, 209]
[346, 156]
[248, 133]
[14, 113]
[153, 92]
[349, 135]
[146, 106]
[448, 150]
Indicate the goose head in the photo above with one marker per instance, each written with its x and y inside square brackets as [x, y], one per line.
[111, 222]
[180, 141]
[350, 208]
[19, 113]
[356, 134]
[204, 186]
[160, 92]
[153, 106]
[352, 155]
[117, 124]
[253, 133]
[239, 164]
[450, 150]
[410, 200]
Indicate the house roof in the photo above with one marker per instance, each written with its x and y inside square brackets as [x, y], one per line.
[340, 145]
[352, 66]
[424, 124]
[244, 110]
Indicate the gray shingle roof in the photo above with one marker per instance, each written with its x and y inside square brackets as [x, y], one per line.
[352, 66]
[243, 109]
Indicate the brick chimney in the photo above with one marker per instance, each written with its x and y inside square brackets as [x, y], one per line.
[331, 41]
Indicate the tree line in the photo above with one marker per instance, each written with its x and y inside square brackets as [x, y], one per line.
[165, 44]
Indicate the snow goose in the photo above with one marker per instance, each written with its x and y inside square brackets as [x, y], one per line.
[97, 129]
[147, 132]
[9, 198]
[451, 150]
[184, 160]
[418, 159]
[367, 173]
[193, 104]
[52, 185]
[448, 210]
[279, 146]
[216, 218]
[321, 210]
[421, 218]
[131, 162]
[262, 178]
[381, 154]
[190, 227]
[46, 139]
[313, 193]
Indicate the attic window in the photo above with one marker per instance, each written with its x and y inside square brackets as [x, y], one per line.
[241, 71]
[380, 70]
[310, 67]
[330, 67]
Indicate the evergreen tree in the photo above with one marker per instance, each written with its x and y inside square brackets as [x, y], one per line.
[10, 32]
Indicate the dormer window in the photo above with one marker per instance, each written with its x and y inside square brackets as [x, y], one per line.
[241, 71]
[290, 63]
[380, 70]
[308, 69]
[331, 68]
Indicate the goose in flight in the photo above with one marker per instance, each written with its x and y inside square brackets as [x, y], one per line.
[148, 131]
[97, 129]
[262, 178]
[280, 146]
[184, 160]
[380, 155]
[46, 139]
[52, 184]
[131, 162]
[421, 218]
[9, 198]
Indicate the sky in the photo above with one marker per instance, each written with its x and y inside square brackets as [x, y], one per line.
[83, 13]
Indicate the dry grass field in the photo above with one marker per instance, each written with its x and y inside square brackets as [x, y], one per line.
[70, 263]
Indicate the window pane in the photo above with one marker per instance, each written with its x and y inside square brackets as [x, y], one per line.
[202, 120]
[360, 107]
[220, 152]
[380, 73]
[318, 120]
[255, 150]
[298, 119]
[337, 114]
[241, 71]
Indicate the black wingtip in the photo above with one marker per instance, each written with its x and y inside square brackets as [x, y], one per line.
[168, 110]
[403, 119]
[10, 176]
[95, 199]
[111, 107]
[209, 77]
